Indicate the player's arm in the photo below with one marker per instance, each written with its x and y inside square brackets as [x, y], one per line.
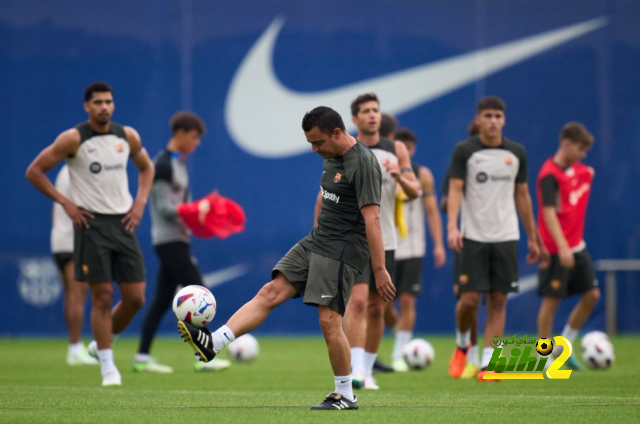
[371, 215]
[454, 198]
[430, 203]
[549, 189]
[64, 146]
[316, 211]
[403, 173]
[140, 158]
[525, 210]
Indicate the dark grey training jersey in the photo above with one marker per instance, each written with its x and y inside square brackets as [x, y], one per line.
[490, 175]
[348, 183]
[170, 187]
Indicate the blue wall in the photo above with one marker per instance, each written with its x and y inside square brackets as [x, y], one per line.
[165, 55]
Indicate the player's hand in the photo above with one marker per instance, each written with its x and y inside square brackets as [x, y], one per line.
[392, 168]
[566, 257]
[545, 258]
[132, 219]
[439, 256]
[454, 240]
[385, 287]
[78, 216]
[534, 251]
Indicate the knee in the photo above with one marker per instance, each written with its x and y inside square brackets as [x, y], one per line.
[268, 295]
[498, 301]
[376, 308]
[407, 302]
[330, 321]
[592, 296]
[102, 299]
[469, 303]
[357, 306]
[135, 302]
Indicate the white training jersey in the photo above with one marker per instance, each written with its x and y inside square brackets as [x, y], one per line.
[98, 172]
[385, 151]
[415, 244]
[62, 226]
[490, 174]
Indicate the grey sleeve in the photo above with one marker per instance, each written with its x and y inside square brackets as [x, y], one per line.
[367, 181]
[161, 199]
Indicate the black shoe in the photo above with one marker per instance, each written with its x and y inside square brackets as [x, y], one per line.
[199, 339]
[337, 401]
[379, 366]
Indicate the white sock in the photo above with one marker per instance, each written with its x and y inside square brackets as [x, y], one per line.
[369, 359]
[76, 348]
[105, 356]
[357, 360]
[222, 337]
[487, 352]
[343, 386]
[142, 357]
[569, 333]
[472, 355]
[402, 338]
[463, 338]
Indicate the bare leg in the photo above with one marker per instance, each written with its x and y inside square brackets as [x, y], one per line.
[546, 315]
[390, 315]
[101, 298]
[375, 323]
[496, 316]
[356, 315]
[467, 310]
[132, 300]
[583, 308]
[337, 343]
[75, 299]
[407, 318]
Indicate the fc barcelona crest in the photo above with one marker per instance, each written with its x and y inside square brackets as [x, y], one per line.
[336, 179]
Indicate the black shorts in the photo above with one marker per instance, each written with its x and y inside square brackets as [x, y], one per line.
[319, 280]
[487, 267]
[558, 281]
[367, 275]
[61, 259]
[408, 277]
[106, 251]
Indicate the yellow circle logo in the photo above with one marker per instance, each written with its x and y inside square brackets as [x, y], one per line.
[544, 347]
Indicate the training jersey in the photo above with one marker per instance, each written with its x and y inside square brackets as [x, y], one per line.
[567, 189]
[170, 188]
[490, 174]
[415, 244]
[62, 225]
[98, 172]
[385, 151]
[349, 182]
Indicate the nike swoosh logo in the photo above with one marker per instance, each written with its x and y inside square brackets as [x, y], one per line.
[255, 85]
[216, 278]
[324, 296]
[526, 284]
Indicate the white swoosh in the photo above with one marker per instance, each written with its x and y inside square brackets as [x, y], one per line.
[263, 116]
[525, 285]
[216, 278]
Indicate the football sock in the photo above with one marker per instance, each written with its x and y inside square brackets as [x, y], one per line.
[142, 357]
[357, 360]
[105, 356]
[222, 337]
[343, 386]
[369, 359]
[75, 348]
[486, 356]
[463, 338]
[569, 333]
[472, 355]
[402, 338]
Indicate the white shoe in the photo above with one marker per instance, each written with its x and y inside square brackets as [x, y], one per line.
[81, 358]
[112, 378]
[92, 350]
[357, 380]
[370, 383]
[217, 364]
[151, 365]
[400, 365]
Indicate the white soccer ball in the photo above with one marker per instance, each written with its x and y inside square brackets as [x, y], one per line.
[598, 353]
[592, 336]
[418, 354]
[244, 349]
[195, 305]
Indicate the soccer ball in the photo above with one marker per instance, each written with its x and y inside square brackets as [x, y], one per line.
[544, 347]
[418, 354]
[598, 353]
[195, 305]
[244, 349]
[591, 337]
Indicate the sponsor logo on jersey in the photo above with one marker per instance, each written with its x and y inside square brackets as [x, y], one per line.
[501, 178]
[95, 167]
[575, 195]
[327, 195]
[482, 177]
[116, 167]
[337, 178]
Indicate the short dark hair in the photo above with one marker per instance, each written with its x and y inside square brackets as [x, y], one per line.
[187, 121]
[363, 98]
[474, 128]
[405, 134]
[96, 87]
[491, 102]
[388, 125]
[323, 117]
[576, 133]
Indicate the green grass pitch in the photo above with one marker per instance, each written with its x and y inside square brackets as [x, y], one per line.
[290, 375]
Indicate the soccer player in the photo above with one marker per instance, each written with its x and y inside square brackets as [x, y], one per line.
[104, 213]
[411, 250]
[564, 186]
[170, 237]
[492, 170]
[322, 266]
[364, 319]
[75, 292]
